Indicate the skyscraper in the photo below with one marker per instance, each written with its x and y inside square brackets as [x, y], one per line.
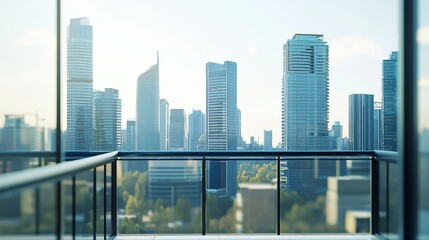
[378, 125]
[222, 124]
[239, 137]
[164, 126]
[361, 129]
[390, 75]
[147, 113]
[177, 129]
[107, 120]
[268, 140]
[305, 93]
[197, 127]
[79, 85]
[131, 135]
[305, 101]
[361, 121]
[336, 135]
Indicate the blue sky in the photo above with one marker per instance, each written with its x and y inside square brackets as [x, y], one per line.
[127, 34]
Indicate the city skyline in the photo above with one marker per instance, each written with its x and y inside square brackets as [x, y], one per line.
[360, 45]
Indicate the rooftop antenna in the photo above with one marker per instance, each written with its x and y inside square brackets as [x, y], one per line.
[157, 57]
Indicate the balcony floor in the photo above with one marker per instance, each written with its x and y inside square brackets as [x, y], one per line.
[250, 237]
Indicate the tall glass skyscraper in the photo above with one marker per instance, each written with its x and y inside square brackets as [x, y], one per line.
[107, 120]
[164, 125]
[147, 113]
[390, 75]
[361, 121]
[305, 101]
[177, 129]
[197, 127]
[378, 125]
[222, 124]
[305, 95]
[79, 85]
[361, 129]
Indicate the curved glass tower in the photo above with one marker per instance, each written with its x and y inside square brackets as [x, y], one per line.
[147, 113]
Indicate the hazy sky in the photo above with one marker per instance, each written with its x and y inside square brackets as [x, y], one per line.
[187, 34]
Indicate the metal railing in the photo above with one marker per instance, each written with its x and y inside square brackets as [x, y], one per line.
[33, 178]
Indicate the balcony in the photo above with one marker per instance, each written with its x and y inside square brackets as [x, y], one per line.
[124, 195]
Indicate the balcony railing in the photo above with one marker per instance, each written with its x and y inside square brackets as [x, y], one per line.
[106, 195]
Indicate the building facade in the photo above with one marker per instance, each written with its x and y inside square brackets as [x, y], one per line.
[197, 127]
[222, 124]
[268, 140]
[178, 129]
[107, 120]
[80, 102]
[164, 125]
[378, 125]
[390, 111]
[147, 112]
[305, 101]
[361, 121]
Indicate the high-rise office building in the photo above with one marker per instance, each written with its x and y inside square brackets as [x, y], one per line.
[222, 124]
[164, 125]
[197, 127]
[268, 140]
[130, 135]
[305, 93]
[378, 125]
[147, 113]
[335, 135]
[79, 85]
[361, 121]
[239, 137]
[177, 129]
[305, 101]
[107, 120]
[390, 111]
[361, 130]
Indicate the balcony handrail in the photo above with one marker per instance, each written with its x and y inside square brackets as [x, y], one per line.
[387, 156]
[166, 154]
[37, 176]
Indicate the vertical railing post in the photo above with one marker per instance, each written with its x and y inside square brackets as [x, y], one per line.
[203, 196]
[105, 201]
[278, 196]
[94, 203]
[375, 196]
[114, 196]
[74, 207]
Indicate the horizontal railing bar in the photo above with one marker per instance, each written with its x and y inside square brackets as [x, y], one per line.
[37, 176]
[226, 158]
[387, 156]
[317, 154]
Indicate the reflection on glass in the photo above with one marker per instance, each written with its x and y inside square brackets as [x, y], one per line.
[100, 201]
[84, 198]
[18, 213]
[27, 66]
[333, 200]
[46, 208]
[159, 197]
[242, 213]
